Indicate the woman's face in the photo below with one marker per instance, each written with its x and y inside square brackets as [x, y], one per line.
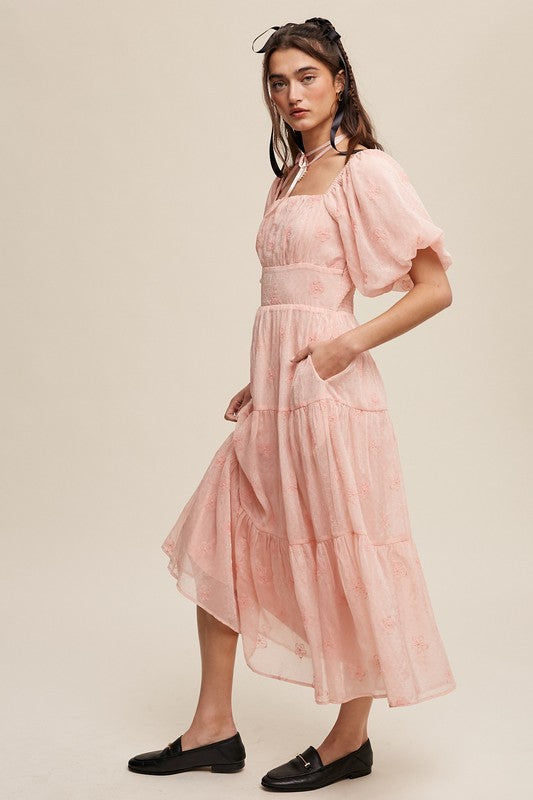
[298, 81]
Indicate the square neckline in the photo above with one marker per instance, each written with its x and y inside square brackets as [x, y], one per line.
[330, 187]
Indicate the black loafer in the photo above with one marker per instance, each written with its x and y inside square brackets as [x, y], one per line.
[306, 771]
[227, 755]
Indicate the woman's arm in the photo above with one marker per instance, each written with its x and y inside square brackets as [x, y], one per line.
[430, 294]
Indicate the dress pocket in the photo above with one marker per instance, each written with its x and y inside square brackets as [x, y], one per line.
[331, 378]
[358, 385]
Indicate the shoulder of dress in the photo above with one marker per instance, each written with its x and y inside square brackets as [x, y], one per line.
[371, 163]
[368, 175]
[271, 193]
[371, 173]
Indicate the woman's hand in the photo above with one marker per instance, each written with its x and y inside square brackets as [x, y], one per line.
[236, 403]
[328, 357]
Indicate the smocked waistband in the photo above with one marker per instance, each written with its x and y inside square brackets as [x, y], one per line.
[304, 285]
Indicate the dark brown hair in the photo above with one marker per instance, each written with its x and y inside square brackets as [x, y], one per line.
[313, 40]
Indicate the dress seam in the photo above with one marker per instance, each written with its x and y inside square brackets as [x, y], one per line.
[293, 265]
[305, 307]
[320, 400]
[300, 542]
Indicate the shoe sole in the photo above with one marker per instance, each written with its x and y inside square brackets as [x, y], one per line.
[303, 788]
[235, 767]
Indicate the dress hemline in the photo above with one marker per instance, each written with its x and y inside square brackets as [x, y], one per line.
[446, 689]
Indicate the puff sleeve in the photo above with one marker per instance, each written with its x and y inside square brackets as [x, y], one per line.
[382, 223]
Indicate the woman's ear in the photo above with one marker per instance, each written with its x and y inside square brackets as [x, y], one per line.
[339, 81]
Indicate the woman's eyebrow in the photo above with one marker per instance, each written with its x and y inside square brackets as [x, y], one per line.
[296, 71]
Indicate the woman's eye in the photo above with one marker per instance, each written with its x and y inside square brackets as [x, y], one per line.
[278, 84]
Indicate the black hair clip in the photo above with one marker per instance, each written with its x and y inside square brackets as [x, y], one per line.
[263, 49]
[327, 28]
[325, 25]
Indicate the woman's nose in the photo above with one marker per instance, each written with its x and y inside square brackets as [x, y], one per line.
[295, 94]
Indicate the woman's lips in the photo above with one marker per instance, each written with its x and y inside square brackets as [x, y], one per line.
[299, 113]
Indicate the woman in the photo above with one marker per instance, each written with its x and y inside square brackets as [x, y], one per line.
[298, 536]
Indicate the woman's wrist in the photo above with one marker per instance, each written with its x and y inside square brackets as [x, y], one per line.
[349, 344]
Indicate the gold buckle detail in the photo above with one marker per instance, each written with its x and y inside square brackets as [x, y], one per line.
[306, 763]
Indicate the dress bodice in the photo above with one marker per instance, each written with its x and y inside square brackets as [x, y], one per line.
[362, 233]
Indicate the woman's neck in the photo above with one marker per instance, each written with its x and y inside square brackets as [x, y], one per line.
[318, 136]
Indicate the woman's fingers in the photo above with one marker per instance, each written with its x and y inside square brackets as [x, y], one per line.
[236, 403]
[232, 410]
[301, 354]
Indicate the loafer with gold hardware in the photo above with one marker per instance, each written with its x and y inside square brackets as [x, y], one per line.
[306, 771]
[227, 755]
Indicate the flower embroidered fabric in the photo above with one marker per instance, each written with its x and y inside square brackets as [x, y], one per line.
[298, 533]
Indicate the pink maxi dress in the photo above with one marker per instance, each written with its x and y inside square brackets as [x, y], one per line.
[298, 534]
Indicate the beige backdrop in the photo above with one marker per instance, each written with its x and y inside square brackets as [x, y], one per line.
[135, 169]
